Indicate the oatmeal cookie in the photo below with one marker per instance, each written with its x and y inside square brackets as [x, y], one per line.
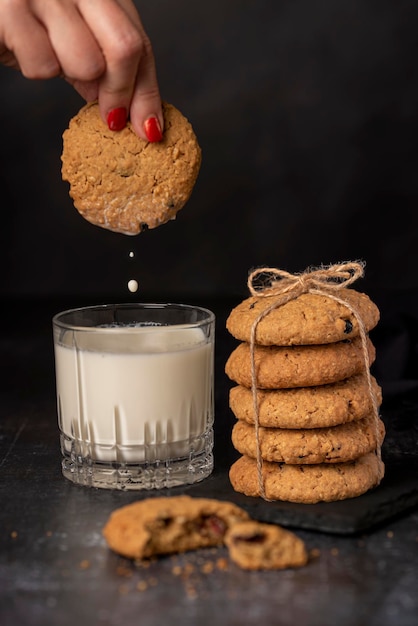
[335, 444]
[309, 319]
[167, 525]
[123, 183]
[307, 407]
[308, 484]
[298, 366]
[258, 546]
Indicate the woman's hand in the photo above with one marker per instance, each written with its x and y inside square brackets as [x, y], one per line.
[99, 46]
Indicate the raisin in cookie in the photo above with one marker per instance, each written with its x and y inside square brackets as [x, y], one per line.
[257, 546]
[308, 484]
[309, 319]
[280, 367]
[123, 183]
[167, 525]
[307, 407]
[335, 444]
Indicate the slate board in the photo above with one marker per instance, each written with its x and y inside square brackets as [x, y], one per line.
[396, 494]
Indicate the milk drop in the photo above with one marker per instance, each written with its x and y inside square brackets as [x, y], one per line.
[133, 285]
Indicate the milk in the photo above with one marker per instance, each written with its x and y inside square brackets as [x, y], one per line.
[134, 395]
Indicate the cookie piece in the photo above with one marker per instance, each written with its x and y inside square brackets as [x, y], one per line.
[298, 366]
[335, 444]
[126, 184]
[258, 546]
[308, 484]
[309, 319]
[307, 407]
[169, 524]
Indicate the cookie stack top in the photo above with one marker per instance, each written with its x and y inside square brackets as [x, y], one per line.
[307, 320]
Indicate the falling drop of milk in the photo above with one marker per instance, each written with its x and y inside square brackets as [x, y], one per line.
[133, 285]
[132, 254]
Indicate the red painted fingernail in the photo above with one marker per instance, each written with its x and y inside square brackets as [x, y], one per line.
[116, 119]
[153, 129]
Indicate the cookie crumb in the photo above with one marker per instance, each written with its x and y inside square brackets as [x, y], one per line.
[189, 568]
[142, 585]
[144, 563]
[222, 564]
[191, 592]
[121, 570]
[176, 570]
[13, 534]
[314, 553]
[207, 568]
[84, 564]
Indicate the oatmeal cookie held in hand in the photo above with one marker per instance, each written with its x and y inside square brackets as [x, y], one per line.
[123, 183]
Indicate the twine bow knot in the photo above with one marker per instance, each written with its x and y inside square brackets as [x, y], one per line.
[270, 281]
[283, 286]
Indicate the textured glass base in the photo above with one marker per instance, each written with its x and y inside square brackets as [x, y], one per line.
[156, 474]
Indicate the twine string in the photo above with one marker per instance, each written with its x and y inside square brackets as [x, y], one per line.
[270, 281]
[284, 287]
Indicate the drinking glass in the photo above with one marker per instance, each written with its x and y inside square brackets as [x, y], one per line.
[135, 394]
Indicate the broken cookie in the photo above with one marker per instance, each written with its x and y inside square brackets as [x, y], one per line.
[167, 525]
[255, 545]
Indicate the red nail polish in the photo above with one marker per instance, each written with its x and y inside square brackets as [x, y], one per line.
[152, 129]
[116, 119]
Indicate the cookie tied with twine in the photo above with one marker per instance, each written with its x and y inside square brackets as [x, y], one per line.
[306, 316]
[273, 289]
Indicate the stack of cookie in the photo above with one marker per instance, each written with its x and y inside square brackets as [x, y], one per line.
[318, 433]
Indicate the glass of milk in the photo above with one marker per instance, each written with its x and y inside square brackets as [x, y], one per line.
[135, 394]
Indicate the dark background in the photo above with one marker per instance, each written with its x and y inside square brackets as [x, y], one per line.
[307, 115]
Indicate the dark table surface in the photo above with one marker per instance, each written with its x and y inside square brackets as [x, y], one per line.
[55, 567]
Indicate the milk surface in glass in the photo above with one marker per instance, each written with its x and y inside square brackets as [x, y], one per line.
[135, 395]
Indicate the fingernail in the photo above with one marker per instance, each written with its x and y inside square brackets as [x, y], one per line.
[152, 129]
[116, 119]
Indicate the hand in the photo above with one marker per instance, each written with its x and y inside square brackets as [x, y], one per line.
[99, 46]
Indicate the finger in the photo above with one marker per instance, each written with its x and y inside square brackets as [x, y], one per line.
[8, 58]
[146, 101]
[130, 75]
[73, 42]
[28, 44]
[88, 90]
[146, 111]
